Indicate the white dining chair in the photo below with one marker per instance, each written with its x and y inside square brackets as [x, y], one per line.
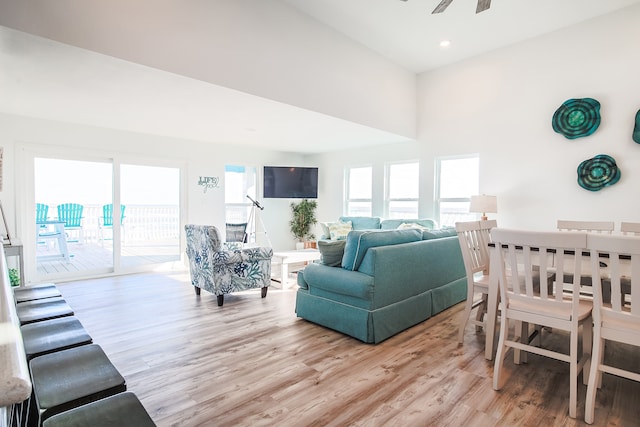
[618, 321]
[474, 244]
[526, 254]
[601, 227]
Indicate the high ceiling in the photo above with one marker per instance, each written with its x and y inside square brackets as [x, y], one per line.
[51, 80]
[408, 33]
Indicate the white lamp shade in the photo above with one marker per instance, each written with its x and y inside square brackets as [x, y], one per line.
[483, 204]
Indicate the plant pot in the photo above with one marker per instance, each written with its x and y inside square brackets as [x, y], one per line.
[299, 246]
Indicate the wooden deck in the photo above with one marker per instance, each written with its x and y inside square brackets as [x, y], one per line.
[98, 257]
[252, 363]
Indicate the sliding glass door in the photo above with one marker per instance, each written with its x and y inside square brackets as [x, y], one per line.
[96, 217]
[150, 203]
[69, 195]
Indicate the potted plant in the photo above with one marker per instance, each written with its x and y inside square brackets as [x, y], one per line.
[304, 216]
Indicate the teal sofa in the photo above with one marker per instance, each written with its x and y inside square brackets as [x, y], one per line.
[388, 281]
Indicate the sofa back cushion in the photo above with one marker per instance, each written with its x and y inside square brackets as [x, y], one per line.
[392, 224]
[439, 234]
[358, 242]
[362, 222]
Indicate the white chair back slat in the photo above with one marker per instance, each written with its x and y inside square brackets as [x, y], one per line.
[631, 228]
[589, 226]
[563, 247]
[474, 239]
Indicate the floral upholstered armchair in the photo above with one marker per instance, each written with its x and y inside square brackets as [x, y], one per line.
[221, 271]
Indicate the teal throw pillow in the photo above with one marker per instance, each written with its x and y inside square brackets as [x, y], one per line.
[332, 252]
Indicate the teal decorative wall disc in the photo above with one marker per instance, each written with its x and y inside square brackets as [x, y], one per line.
[599, 172]
[636, 128]
[577, 118]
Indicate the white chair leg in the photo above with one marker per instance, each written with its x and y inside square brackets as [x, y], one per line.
[587, 347]
[500, 355]
[573, 374]
[522, 335]
[594, 376]
[465, 318]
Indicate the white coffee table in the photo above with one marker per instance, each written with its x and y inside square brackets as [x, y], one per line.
[282, 260]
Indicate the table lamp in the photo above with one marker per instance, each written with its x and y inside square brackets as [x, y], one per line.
[483, 204]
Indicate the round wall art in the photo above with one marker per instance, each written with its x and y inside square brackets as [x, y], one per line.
[577, 118]
[636, 128]
[599, 172]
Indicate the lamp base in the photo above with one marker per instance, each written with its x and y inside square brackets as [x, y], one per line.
[483, 218]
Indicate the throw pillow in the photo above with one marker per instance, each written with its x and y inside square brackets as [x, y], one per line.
[339, 230]
[326, 234]
[331, 251]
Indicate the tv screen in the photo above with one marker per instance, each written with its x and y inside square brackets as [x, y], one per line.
[288, 182]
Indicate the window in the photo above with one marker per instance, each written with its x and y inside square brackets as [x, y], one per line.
[239, 182]
[403, 183]
[457, 179]
[358, 191]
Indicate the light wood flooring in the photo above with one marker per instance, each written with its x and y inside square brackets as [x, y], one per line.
[253, 363]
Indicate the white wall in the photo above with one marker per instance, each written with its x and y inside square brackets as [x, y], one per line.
[198, 159]
[261, 47]
[500, 105]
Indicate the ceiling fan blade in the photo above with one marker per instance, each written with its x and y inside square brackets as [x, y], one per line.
[442, 6]
[483, 5]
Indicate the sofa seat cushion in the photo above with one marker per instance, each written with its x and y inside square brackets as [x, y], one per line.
[352, 288]
[358, 242]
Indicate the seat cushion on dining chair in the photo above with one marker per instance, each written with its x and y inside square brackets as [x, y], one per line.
[560, 312]
[35, 292]
[70, 378]
[42, 309]
[119, 410]
[53, 335]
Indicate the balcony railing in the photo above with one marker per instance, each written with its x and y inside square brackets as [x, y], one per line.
[141, 222]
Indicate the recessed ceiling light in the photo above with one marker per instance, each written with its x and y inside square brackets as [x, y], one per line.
[445, 43]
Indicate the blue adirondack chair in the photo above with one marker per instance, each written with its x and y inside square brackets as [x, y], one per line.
[107, 218]
[71, 214]
[42, 212]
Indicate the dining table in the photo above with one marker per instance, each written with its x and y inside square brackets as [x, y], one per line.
[53, 230]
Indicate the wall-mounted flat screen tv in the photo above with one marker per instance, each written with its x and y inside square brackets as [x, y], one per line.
[290, 182]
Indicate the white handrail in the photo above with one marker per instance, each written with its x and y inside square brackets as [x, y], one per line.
[15, 382]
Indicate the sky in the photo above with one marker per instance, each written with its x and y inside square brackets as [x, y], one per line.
[90, 183]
